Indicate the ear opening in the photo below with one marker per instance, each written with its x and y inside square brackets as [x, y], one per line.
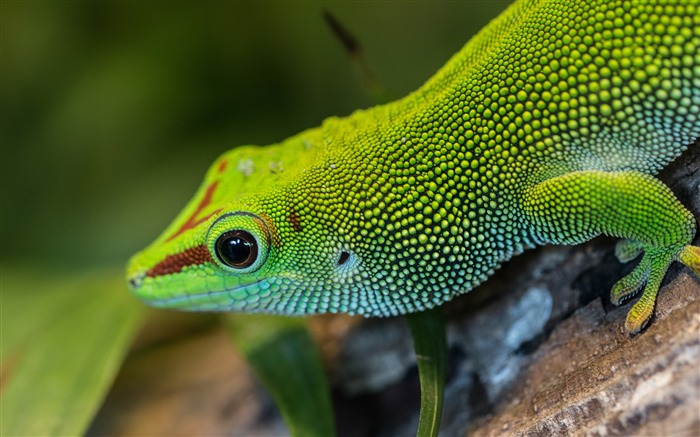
[343, 258]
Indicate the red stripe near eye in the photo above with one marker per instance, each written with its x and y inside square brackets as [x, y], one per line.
[222, 165]
[193, 221]
[175, 263]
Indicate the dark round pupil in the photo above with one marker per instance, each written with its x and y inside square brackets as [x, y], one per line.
[237, 249]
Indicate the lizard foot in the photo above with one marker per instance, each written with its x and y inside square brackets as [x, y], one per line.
[648, 274]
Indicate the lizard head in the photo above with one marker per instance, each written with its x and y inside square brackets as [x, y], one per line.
[245, 257]
[256, 238]
[306, 226]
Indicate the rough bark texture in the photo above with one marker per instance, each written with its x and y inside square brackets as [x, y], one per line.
[537, 350]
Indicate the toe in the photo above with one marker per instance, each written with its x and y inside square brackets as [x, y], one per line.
[641, 312]
[629, 285]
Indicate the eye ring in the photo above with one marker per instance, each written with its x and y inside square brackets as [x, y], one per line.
[239, 242]
[237, 249]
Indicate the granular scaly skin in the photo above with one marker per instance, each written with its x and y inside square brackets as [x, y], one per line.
[545, 128]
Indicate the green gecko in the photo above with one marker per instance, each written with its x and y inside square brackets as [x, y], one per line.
[546, 128]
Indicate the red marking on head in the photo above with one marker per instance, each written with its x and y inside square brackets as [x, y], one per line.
[295, 221]
[175, 263]
[193, 221]
[222, 165]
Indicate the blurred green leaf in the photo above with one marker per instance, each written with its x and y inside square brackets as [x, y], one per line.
[63, 340]
[429, 341]
[286, 360]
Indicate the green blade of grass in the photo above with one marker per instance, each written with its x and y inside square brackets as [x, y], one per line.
[63, 342]
[284, 357]
[430, 344]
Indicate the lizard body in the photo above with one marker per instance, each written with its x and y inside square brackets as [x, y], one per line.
[545, 128]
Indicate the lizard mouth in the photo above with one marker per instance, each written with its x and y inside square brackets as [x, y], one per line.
[209, 301]
[200, 293]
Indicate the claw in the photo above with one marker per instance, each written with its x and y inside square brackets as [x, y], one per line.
[627, 250]
[629, 285]
[690, 256]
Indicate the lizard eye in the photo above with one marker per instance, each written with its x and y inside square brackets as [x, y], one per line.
[239, 242]
[237, 249]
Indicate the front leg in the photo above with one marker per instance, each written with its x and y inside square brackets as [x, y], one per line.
[577, 206]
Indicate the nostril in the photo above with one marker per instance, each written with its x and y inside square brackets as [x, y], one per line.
[344, 257]
[135, 282]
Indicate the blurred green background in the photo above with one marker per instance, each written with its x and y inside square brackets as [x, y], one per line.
[110, 114]
[112, 111]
